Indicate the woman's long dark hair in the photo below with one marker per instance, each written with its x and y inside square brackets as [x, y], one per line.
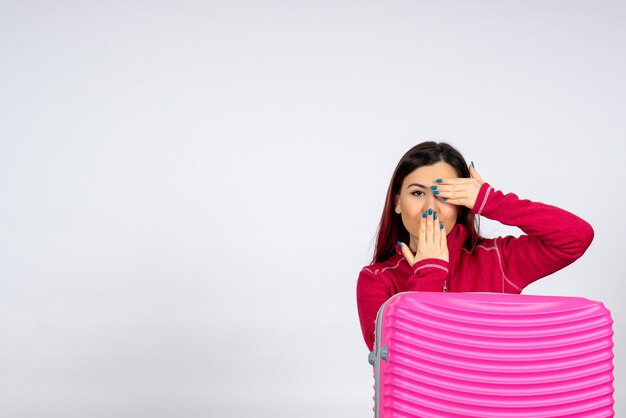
[391, 228]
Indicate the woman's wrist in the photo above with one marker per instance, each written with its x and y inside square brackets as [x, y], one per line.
[481, 200]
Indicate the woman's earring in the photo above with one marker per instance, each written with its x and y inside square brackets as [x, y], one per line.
[397, 210]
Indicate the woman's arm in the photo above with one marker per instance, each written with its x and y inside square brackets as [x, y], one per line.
[371, 293]
[373, 289]
[554, 237]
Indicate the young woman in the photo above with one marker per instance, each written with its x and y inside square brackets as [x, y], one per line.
[428, 237]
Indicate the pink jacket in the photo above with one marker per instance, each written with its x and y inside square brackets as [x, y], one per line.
[554, 239]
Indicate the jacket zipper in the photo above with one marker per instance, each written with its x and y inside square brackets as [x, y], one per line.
[445, 286]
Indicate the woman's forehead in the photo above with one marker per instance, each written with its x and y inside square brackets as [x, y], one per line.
[428, 173]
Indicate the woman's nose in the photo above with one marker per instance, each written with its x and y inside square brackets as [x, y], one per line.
[432, 203]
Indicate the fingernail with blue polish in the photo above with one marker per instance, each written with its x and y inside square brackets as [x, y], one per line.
[430, 211]
[444, 198]
[424, 215]
[433, 187]
[436, 192]
[440, 226]
[439, 180]
[399, 244]
[473, 164]
[435, 216]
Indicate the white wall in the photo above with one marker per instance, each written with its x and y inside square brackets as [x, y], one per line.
[189, 189]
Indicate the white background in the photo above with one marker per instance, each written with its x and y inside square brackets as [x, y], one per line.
[188, 190]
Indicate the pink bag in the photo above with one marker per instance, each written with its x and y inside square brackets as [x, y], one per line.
[492, 355]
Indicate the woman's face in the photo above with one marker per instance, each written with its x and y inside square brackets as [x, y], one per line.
[416, 196]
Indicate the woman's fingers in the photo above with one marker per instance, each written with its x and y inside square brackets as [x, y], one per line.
[429, 226]
[430, 243]
[443, 238]
[456, 195]
[452, 180]
[459, 191]
[461, 187]
[453, 192]
[475, 174]
[430, 235]
[406, 251]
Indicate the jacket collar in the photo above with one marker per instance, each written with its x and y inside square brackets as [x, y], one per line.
[455, 239]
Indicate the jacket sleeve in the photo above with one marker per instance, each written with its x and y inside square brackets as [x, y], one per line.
[554, 238]
[374, 288]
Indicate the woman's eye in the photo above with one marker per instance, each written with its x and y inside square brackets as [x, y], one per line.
[417, 191]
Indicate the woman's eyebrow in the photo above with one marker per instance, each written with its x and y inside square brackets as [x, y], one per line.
[418, 185]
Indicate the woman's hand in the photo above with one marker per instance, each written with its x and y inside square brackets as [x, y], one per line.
[461, 191]
[431, 240]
